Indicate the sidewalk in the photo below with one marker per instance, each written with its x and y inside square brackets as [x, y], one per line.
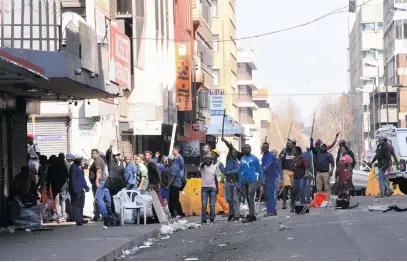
[70, 242]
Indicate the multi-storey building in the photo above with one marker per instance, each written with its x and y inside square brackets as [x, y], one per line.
[366, 75]
[225, 56]
[42, 59]
[395, 57]
[262, 116]
[246, 86]
[149, 109]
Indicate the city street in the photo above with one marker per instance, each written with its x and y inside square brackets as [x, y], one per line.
[354, 234]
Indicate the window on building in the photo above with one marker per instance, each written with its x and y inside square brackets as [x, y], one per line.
[157, 21]
[215, 43]
[368, 54]
[380, 53]
[214, 8]
[369, 82]
[381, 81]
[216, 80]
[233, 80]
[206, 12]
[380, 25]
[140, 34]
[368, 26]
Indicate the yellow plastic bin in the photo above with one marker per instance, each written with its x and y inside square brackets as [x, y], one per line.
[192, 200]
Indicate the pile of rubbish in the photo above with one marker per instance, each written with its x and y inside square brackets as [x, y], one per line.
[165, 230]
[177, 226]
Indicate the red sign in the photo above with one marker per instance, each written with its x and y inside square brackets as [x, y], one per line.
[120, 58]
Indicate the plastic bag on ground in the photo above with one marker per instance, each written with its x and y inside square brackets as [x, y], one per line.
[166, 230]
[377, 208]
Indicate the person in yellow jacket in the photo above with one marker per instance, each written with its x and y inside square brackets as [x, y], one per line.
[221, 181]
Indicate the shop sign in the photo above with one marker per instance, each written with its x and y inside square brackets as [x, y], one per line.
[183, 77]
[87, 130]
[50, 138]
[217, 100]
[147, 128]
[119, 58]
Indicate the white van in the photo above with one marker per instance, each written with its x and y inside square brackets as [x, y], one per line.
[398, 138]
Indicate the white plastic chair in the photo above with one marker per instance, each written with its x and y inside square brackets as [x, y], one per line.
[129, 201]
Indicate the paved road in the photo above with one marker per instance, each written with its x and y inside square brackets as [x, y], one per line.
[356, 234]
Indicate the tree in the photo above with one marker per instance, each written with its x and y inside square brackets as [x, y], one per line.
[285, 117]
[334, 115]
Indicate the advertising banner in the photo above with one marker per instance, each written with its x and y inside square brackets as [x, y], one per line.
[183, 77]
[119, 58]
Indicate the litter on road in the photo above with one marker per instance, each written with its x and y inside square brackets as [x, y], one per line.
[221, 245]
[191, 259]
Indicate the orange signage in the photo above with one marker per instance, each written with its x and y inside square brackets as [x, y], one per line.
[183, 77]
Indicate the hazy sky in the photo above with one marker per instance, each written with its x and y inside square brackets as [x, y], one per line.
[310, 59]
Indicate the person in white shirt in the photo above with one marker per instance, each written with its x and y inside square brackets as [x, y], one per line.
[209, 190]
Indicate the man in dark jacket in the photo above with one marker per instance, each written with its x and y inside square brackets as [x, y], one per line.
[324, 165]
[154, 175]
[383, 155]
[77, 185]
[116, 180]
[58, 180]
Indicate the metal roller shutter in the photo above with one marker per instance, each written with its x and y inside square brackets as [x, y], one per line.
[51, 135]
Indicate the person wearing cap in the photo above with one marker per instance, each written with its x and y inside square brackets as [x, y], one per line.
[383, 156]
[324, 165]
[248, 167]
[69, 160]
[319, 142]
[77, 188]
[221, 182]
[33, 154]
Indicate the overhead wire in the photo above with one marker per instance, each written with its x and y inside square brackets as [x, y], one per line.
[336, 11]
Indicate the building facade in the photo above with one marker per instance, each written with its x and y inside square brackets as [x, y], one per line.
[149, 108]
[262, 116]
[225, 58]
[246, 87]
[44, 61]
[367, 83]
[395, 42]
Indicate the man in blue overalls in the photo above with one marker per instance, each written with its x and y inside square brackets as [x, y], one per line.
[269, 163]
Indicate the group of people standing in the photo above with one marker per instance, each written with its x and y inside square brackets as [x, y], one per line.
[291, 172]
[56, 181]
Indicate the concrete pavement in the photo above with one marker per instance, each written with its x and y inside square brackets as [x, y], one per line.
[354, 234]
[70, 242]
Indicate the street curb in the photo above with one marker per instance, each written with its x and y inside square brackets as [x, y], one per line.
[138, 241]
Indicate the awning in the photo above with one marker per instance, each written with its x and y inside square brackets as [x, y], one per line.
[57, 76]
[15, 72]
